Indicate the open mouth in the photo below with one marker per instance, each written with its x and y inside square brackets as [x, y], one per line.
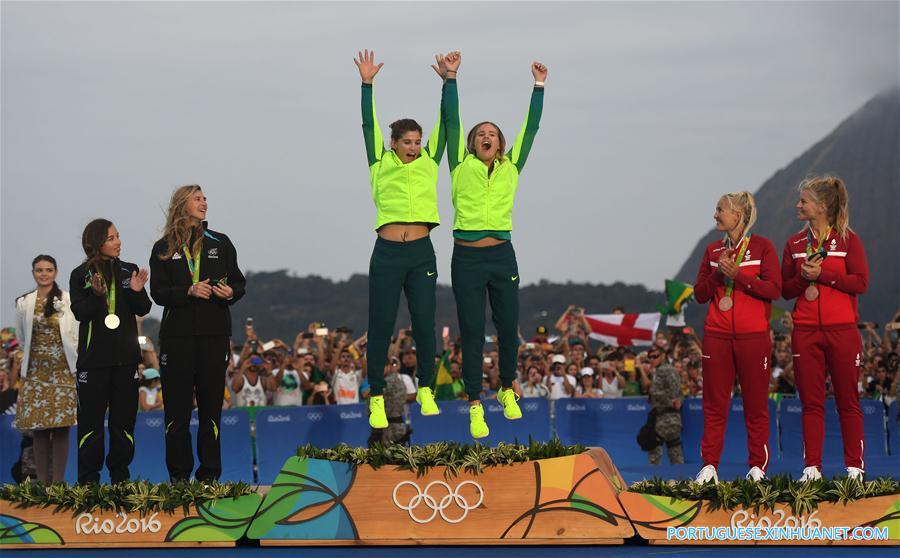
[485, 145]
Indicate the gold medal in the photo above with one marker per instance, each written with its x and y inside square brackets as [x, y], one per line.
[111, 321]
[725, 303]
[812, 293]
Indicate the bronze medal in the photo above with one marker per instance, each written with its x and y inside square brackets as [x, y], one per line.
[812, 293]
[725, 303]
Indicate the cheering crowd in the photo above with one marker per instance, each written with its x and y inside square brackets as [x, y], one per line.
[330, 367]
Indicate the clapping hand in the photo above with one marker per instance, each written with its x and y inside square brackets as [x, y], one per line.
[98, 284]
[727, 267]
[453, 60]
[440, 65]
[139, 279]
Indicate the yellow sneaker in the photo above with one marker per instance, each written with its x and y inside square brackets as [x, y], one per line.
[507, 398]
[425, 398]
[377, 418]
[477, 426]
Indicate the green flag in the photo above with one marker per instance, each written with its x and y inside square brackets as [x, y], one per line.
[777, 313]
[676, 294]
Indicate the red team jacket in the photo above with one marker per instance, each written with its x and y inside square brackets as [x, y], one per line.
[756, 285]
[845, 274]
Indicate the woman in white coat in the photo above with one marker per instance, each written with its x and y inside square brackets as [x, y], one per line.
[48, 401]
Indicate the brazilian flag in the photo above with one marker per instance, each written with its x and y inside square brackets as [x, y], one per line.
[443, 380]
[677, 294]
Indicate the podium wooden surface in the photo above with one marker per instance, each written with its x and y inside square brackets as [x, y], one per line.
[564, 500]
[216, 523]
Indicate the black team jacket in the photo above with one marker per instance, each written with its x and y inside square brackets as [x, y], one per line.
[170, 280]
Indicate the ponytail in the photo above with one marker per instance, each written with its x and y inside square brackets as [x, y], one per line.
[744, 205]
[830, 191]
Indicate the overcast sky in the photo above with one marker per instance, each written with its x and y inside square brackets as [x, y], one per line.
[652, 110]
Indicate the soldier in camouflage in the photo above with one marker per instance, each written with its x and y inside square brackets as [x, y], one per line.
[665, 399]
[394, 406]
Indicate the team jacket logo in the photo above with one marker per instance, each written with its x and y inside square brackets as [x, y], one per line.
[765, 363]
[747, 254]
[176, 256]
[162, 359]
[833, 246]
[83, 377]
[857, 359]
[213, 253]
[437, 506]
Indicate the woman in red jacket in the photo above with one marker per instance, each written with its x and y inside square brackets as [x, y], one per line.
[739, 277]
[824, 267]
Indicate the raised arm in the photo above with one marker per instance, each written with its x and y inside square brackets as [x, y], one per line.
[371, 130]
[520, 149]
[456, 150]
[437, 141]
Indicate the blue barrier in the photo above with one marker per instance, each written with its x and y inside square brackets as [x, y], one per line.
[452, 425]
[692, 429]
[149, 461]
[610, 423]
[893, 428]
[734, 449]
[10, 440]
[279, 431]
[874, 433]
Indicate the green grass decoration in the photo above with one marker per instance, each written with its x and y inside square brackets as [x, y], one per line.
[802, 497]
[455, 457]
[140, 497]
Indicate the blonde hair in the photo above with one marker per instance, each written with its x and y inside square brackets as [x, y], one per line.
[830, 191]
[744, 205]
[178, 223]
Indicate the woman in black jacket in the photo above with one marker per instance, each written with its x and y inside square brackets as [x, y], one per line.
[107, 294]
[195, 276]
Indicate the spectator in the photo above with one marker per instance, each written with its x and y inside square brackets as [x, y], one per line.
[346, 380]
[612, 384]
[320, 395]
[251, 384]
[559, 383]
[586, 386]
[533, 386]
[394, 407]
[150, 392]
[455, 390]
[289, 382]
[492, 382]
[665, 402]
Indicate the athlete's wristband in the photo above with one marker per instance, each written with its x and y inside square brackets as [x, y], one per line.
[539, 84]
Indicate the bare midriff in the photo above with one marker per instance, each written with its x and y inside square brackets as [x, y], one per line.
[480, 243]
[404, 232]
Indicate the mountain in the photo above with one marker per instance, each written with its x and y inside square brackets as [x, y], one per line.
[864, 150]
[283, 305]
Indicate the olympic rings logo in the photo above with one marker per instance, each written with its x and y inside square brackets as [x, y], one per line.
[438, 506]
[154, 422]
[230, 420]
[314, 417]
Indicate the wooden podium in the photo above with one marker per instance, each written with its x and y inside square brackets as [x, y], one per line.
[564, 500]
